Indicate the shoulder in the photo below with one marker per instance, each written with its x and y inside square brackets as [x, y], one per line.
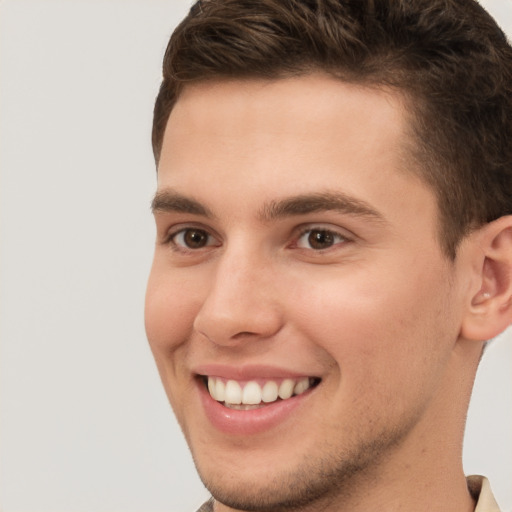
[207, 506]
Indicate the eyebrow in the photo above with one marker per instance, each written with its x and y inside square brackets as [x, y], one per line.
[168, 201]
[318, 202]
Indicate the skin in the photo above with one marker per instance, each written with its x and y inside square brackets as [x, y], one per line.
[377, 314]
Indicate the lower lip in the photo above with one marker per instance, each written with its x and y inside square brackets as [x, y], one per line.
[253, 421]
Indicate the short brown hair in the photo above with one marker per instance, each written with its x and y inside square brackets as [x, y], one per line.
[449, 58]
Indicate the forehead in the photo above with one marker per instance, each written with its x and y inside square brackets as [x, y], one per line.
[275, 106]
[287, 137]
[318, 112]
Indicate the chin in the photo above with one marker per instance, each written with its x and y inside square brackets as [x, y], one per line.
[294, 484]
[268, 492]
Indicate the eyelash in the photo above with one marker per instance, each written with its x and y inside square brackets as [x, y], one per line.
[337, 238]
[334, 238]
[182, 247]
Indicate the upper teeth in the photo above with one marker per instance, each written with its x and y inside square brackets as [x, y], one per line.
[232, 392]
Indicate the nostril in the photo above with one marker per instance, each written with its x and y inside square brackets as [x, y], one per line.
[243, 334]
[221, 338]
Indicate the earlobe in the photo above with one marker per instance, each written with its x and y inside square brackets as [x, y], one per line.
[490, 310]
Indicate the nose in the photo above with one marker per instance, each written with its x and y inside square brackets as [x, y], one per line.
[240, 301]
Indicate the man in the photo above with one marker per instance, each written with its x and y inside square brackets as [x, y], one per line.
[334, 247]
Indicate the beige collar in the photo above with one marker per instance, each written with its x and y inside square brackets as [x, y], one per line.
[480, 489]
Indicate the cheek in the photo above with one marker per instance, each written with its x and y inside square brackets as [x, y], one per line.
[170, 310]
[169, 316]
[385, 333]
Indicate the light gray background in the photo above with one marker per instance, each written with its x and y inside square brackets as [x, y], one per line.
[85, 425]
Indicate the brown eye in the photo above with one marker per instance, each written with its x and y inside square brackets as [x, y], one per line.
[192, 238]
[318, 239]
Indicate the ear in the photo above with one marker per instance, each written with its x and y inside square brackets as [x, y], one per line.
[490, 309]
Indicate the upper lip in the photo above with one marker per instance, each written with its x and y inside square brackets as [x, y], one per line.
[247, 372]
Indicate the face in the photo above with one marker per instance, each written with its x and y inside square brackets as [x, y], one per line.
[300, 309]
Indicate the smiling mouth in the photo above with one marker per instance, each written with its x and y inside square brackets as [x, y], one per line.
[252, 394]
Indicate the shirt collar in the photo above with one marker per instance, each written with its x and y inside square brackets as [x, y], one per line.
[480, 489]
